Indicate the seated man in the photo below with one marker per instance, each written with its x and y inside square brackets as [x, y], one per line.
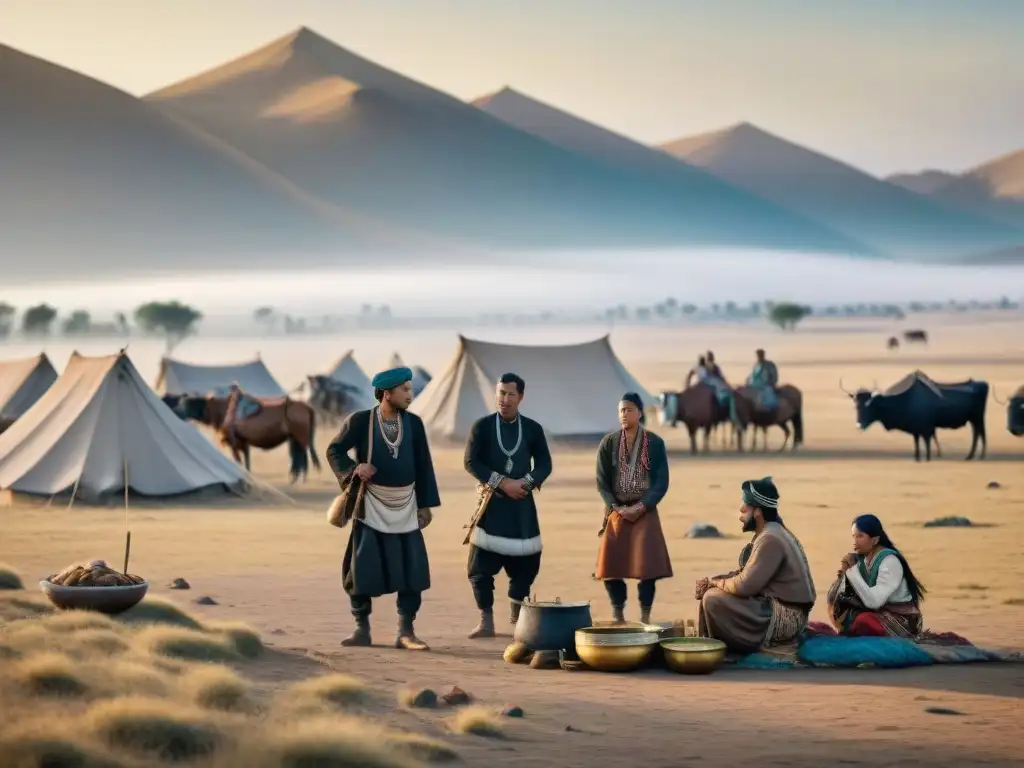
[765, 376]
[767, 601]
[875, 593]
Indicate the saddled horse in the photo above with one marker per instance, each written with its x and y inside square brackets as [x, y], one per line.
[332, 400]
[789, 409]
[698, 408]
[277, 421]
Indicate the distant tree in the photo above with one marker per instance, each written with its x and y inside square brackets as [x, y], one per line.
[786, 315]
[755, 308]
[622, 312]
[689, 309]
[643, 314]
[716, 308]
[77, 323]
[37, 320]
[384, 312]
[7, 313]
[171, 319]
[731, 308]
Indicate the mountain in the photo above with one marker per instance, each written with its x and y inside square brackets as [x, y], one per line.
[923, 183]
[886, 216]
[698, 193]
[367, 138]
[96, 182]
[994, 189]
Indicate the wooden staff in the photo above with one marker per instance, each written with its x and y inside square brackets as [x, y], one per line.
[481, 507]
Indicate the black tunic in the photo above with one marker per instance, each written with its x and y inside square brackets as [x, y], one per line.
[379, 563]
[505, 518]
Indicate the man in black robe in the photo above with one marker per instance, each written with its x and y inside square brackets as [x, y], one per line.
[508, 455]
[386, 553]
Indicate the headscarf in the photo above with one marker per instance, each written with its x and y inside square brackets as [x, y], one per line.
[870, 525]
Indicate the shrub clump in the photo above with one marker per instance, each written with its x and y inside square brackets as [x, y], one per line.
[50, 674]
[155, 610]
[246, 640]
[10, 579]
[477, 721]
[155, 728]
[219, 688]
[332, 690]
[186, 644]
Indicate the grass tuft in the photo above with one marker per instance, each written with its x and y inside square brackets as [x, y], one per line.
[74, 621]
[245, 639]
[421, 747]
[155, 728]
[156, 610]
[217, 687]
[477, 721]
[328, 743]
[332, 690]
[187, 644]
[39, 750]
[10, 579]
[50, 674]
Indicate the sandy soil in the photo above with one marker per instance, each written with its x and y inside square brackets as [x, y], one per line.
[278, 569]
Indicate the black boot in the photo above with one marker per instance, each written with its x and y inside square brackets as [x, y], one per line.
[407, 637]
[515, 607]
[361, 637]
[619, 614]
[645, 614]
[486, 626]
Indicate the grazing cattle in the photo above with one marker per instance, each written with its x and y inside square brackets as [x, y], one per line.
[915, 336]
[919, 406]
[697, 407]
[277, 421]
[1014, 413]
[893, 343]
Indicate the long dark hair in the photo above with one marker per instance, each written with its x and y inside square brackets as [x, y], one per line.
[870, 525]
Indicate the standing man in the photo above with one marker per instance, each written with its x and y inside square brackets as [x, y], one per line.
[386, 553]
[765, 376]
[508, 454]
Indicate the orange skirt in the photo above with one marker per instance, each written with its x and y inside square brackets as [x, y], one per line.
[633, 550]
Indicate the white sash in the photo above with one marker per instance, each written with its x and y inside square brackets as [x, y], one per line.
[390, 510]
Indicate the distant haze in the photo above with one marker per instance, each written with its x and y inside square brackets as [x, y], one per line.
[529, 284]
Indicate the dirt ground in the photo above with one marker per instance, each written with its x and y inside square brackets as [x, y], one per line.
[278, 568]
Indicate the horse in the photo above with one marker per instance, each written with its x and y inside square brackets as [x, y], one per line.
[697, 407]
[332, 400]
[789, 409]
[278, 420]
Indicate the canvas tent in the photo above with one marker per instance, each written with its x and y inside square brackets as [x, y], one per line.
[420, 377]
[22, 382]
[179, 378]
[348, 372]
[572, 390]
[100, 420]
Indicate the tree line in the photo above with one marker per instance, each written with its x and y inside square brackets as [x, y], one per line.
[170, 319]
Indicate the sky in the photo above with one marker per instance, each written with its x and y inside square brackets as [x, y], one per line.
[884, 85]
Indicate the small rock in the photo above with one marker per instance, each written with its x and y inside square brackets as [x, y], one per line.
[455, 697]
[952, 521]
[278, 632]
[179, 584]
[424, 699]
[545, 660]
[942, 711]
[204, 600]
[573, 730]
[517, 653]
[512, 712]
[993, 485]
[703, 531]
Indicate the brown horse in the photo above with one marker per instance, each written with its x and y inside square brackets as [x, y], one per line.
[790, 409]
[697, 407]
[277, 421]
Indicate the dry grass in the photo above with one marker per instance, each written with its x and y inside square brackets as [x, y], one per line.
[219, 688]
[49, 674]
[477, 721]
[421, 747]
[10, 579]
[156, 610]
[186, 644]
[328, 690]
[155, 728]
[245, 639]
[37, 746]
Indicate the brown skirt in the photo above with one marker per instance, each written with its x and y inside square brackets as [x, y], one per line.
[633, 550]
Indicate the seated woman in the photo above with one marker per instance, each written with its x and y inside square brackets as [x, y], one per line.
[875, 593]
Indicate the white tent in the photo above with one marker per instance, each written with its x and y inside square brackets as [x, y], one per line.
[348, 372]
[572, 390]
[179, 378]
[420, 377]
[99, 421]
[22, 382]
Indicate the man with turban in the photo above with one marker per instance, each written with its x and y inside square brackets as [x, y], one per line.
[767, 600]
[508, 455]
[386, 553]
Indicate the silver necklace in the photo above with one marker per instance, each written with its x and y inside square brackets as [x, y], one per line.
[393, 445]
[501, 445]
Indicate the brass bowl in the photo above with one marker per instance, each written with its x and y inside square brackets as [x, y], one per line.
[615, 649]
[693, 655]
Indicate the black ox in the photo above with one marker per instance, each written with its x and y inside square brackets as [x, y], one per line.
[919, 407]
[1015, 413]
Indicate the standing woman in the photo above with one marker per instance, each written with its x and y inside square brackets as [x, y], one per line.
[632, 478]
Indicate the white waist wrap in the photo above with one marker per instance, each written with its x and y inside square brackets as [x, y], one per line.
[390, 510]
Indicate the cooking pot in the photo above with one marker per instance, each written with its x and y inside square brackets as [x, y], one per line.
[551, 626]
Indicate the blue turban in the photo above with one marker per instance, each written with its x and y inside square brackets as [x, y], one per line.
[391, 378]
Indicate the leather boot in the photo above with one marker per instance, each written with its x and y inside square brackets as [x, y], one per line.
[645, 614]
[407, 637]
[619, 614]
[486, 626]
[361, 636]
[515, 607]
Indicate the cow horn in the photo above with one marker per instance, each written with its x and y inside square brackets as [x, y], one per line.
[844, 388]
[874, 383]
[996, 397]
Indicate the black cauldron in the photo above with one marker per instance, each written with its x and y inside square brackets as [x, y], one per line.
[552, 626]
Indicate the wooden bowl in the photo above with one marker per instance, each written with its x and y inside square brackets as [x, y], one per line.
[108, 600]
[693, 655]
[615, 649]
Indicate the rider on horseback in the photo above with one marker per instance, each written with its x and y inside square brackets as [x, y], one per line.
[765, 376]
[240, 407]
[708, 372]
